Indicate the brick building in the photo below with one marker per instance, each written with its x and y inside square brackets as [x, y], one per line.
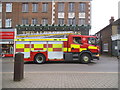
[109, 38]
[43, 12]
[23, 12]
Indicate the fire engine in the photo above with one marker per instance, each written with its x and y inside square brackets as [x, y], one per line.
[57, 47]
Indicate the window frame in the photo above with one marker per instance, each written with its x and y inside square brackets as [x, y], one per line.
[26, 6]
[61, 21]
[35, 7]
[34, 21]
[8, 7]
[44, 20]
[0, 7]
[71, 7]
[82, 7]
[23, 20]
[44, 7]
[8, 23]
[61, 7]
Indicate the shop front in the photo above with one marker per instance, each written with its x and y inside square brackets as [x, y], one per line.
[7, 42]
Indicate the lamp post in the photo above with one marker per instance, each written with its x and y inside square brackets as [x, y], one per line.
[73, 20]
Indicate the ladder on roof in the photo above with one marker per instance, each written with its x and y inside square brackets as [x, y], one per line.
[50, 34]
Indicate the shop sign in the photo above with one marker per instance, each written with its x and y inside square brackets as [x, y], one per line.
[6, 35]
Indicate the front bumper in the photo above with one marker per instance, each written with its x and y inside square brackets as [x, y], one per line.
[96, 56]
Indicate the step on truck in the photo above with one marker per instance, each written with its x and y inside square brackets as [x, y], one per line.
[70, 48]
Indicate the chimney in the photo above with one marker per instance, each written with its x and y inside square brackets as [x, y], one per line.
[111, 20]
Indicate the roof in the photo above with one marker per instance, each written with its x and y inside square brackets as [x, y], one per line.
[117, 22]
[45, 0]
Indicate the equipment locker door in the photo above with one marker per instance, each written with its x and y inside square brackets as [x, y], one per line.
[55, 50]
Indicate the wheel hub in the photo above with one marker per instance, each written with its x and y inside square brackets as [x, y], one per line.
[85, 58]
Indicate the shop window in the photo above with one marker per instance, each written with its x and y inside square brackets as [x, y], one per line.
[7, 49]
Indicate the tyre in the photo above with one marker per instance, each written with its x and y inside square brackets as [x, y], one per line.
[85, 58]
[39, 58]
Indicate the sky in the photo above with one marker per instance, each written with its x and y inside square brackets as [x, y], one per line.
[101, 12]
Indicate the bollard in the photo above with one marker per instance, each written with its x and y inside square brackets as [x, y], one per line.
[19, 67]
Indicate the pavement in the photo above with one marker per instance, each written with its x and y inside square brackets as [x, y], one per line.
[65, 79]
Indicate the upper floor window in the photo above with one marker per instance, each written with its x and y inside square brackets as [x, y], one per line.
[0, 23]
[71, 21]
[60, 21]
[44, 21]
[25, 7]
[71, 7]
[82, 7]
[25, 21]
[8, 22]
[34, 21]
[35, 7]
[44, 7]
[8, 7]
[60, 7]
[0, 7]
[81, 21]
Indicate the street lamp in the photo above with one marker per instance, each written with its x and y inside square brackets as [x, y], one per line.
[73, 20]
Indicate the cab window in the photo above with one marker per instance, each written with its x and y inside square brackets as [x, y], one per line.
[92, 41]
[77, 40]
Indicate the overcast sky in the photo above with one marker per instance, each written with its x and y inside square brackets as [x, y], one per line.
[102, 10]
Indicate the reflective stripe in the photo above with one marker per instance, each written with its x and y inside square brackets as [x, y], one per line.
[19, 45]
[64, 49]
[75, 46]
[69, 49]
[82, 49]
[38, 45]
[57, 45]
[45, 49]
[50, 49]
[40, 39]
[32, 49]
[92, 47]
[26, 49]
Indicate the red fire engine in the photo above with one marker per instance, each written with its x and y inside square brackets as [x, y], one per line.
[70, 48]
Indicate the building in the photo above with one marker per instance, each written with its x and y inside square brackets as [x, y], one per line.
[116, 37]
[44, 12]
[109, 38]
[27, 12]
[119, 9]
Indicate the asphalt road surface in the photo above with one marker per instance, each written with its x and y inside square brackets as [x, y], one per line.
[105, 64]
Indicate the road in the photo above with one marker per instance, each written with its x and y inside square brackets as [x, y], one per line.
[101, 73]
[105, 64]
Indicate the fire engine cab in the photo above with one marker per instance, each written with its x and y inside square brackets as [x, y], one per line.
[41, 49]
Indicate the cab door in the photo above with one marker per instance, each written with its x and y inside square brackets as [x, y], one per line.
[75, 44]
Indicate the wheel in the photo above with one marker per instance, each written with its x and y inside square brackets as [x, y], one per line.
[85, 58]
[39, 58]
